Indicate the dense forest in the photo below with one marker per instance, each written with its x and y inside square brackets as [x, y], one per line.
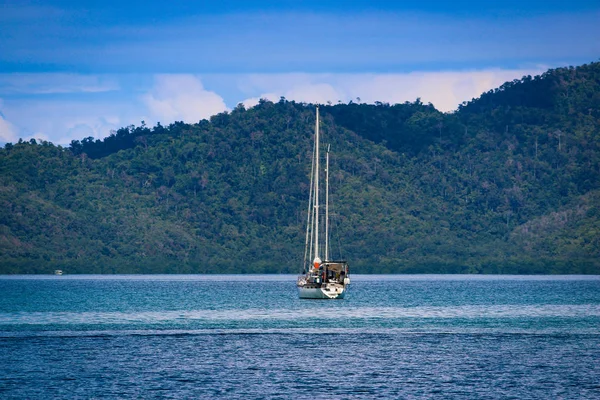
[508, 183]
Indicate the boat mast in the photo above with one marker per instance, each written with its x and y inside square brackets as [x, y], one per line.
[327, 206]
[308, 241]
[317, 260]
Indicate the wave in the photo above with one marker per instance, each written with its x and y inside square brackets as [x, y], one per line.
[329, 314]
[490, 332]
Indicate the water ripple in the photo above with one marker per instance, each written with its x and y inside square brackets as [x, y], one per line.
[251, 337]
[286, 314]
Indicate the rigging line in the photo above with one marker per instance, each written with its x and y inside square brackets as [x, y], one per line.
[312, 169]
[339, 241]
[337, 228]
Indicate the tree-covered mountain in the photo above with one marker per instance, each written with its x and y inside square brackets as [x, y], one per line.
[509, 183]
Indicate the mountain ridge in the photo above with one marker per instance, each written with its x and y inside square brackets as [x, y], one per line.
[506, 184]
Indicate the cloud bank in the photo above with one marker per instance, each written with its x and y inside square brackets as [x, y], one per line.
[65, 116]
[181, 98]
[56, 83]
[7, 131]
[445, 90]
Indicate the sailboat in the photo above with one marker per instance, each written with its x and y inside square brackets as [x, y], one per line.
[320, 279]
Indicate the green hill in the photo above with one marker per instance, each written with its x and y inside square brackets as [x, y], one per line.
[509, 183]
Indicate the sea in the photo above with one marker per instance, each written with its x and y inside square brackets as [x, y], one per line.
[251, 337]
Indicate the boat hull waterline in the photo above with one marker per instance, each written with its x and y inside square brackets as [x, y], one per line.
[321, 293]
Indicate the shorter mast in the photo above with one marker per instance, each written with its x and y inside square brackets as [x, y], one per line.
[327, 205]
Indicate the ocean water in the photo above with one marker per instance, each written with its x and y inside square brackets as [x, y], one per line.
[250, 337]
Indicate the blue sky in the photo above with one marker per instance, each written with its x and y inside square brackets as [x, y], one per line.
[72, 69]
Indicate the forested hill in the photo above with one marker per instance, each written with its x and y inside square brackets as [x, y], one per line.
[509, 183]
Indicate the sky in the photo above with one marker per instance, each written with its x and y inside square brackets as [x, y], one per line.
[73, 69]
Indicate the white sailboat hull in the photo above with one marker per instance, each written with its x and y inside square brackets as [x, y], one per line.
[324, 292]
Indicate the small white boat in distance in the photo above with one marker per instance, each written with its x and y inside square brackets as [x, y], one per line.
[58, 272]
[321, 279]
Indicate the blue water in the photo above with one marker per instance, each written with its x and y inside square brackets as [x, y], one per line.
[251, 337]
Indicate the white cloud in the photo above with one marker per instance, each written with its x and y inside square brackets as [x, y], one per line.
[63, 117]
[181, 97]
[305, 92]
[56, 110]
[445, 89]
[274, 97]
[63, 120]
[7, 131]
[315, 92]
[56, 83]
[89, 125]
[252, 101]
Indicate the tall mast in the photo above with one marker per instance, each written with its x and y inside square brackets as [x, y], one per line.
[317, 260]
[327, 206]
[307, 252]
